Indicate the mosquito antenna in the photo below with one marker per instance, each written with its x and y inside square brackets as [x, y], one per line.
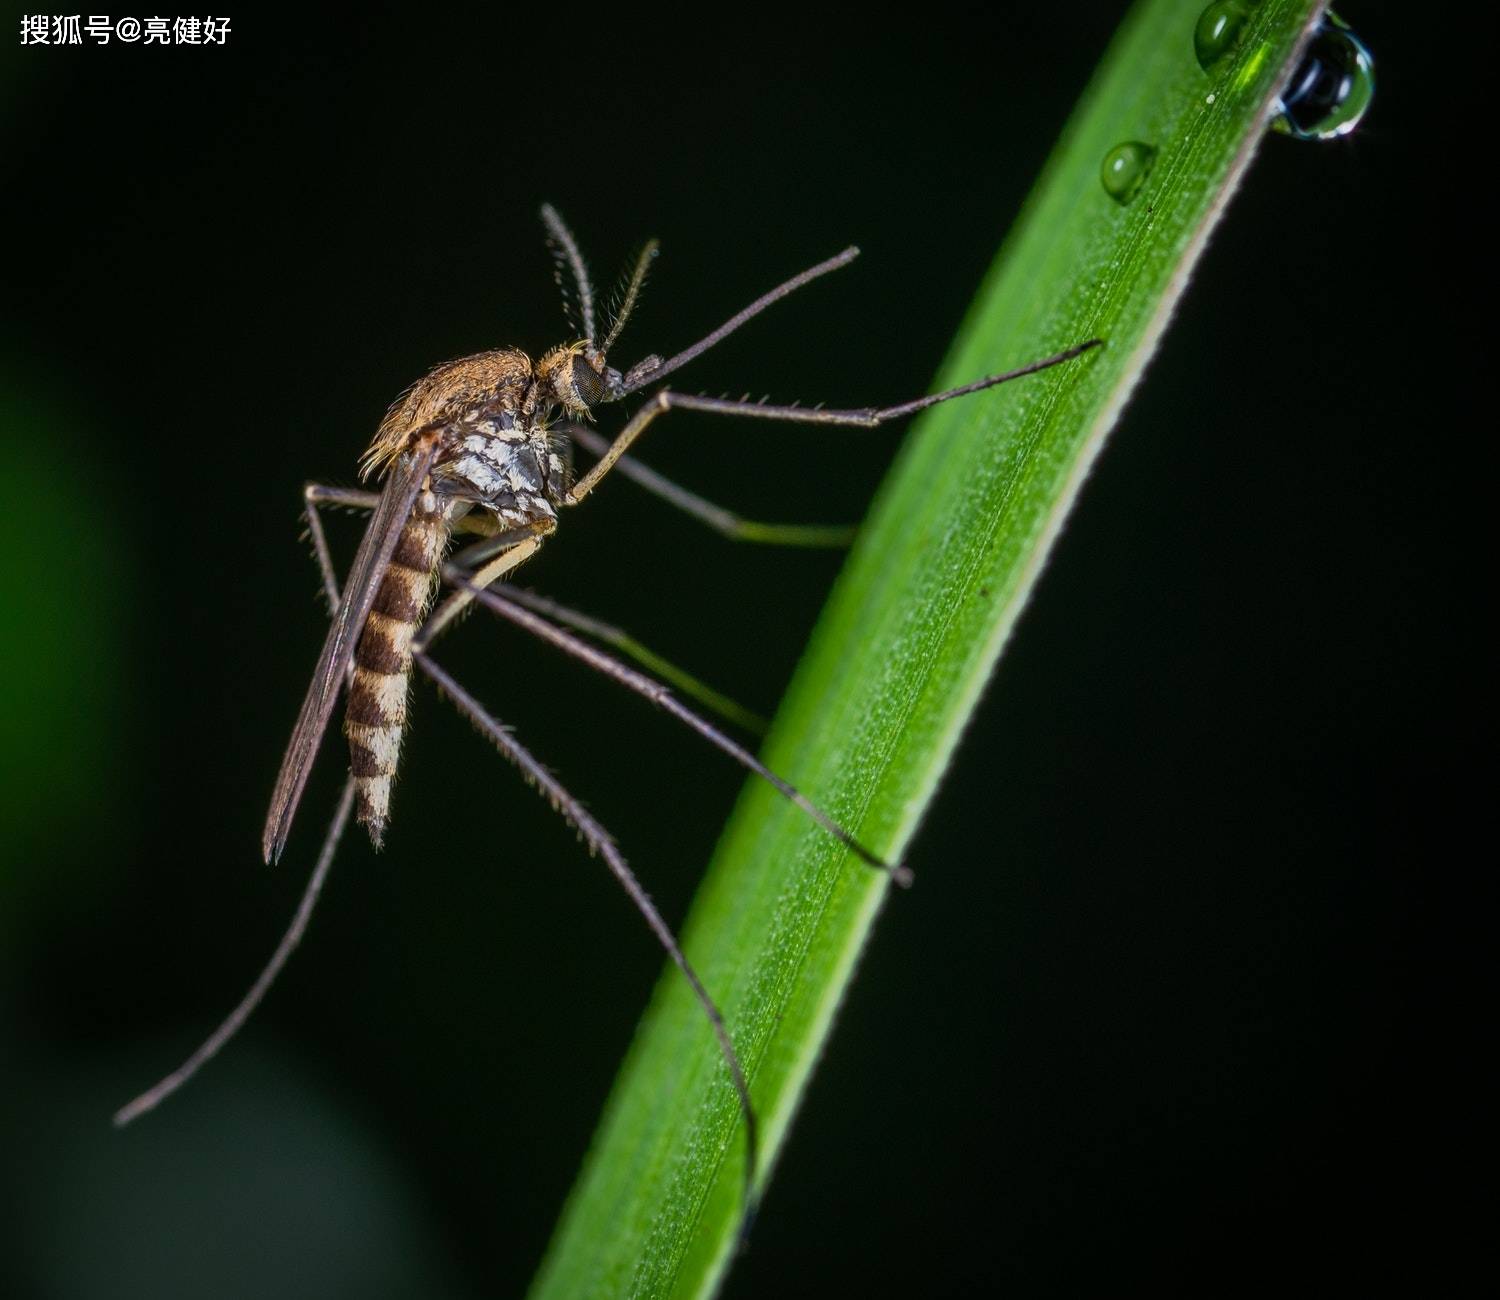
[154, 1096]
[565, 252]
[600, 842]
[654, 368]
[632, 293]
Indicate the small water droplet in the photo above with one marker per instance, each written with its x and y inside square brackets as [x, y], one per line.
[1332, 88]
[1125, 169]
[1218, 30]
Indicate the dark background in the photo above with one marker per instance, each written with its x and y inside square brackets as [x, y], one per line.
[1178, 998]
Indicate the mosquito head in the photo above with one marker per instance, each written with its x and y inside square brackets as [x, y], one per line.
[577, 378]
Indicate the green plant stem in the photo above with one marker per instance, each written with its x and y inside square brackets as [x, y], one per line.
[941, 570]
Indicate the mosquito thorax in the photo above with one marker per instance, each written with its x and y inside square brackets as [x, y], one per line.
[495, 408]
[505, 461]
[502, 381]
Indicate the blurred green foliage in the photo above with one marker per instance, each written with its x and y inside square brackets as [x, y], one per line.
[66, 623]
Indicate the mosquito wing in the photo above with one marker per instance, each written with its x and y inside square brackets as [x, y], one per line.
[370, 563]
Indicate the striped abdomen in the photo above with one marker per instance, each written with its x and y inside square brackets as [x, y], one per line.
[376, 716]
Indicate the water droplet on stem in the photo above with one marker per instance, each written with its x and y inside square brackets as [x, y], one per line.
[1218, 30]
[1125, 169]
[1332, 87]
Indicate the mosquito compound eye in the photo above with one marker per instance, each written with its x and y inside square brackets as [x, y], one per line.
[588, 383]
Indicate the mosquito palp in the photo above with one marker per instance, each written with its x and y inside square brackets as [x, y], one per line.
[483, 445]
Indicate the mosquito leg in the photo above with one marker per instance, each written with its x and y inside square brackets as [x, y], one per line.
[486, 548]
[157, 1094]
[733, 526]
[509, 549]
[627, 645]
[600, 843]
[864, 418]
[499, 602]
[321, 494]
[314, 495]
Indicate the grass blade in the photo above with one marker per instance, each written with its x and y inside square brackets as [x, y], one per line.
[909, 637]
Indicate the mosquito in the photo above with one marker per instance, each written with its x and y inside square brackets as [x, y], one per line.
[483, 447]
